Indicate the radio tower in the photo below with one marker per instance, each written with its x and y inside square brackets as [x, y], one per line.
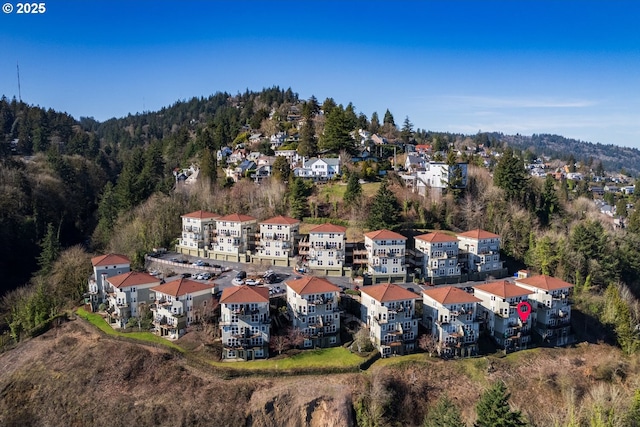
[19, 93]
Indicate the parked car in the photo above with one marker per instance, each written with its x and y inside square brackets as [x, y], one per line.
[199, 263]
[216, 266]
[250, 282]
[206, 276]
[185, 275]
[237, 281]
[242, 274]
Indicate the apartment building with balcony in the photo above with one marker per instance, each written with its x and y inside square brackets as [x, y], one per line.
[451, 317]
[105, 266]
[235, 237]
[325, 249]
[126, 293]
[498, 312]
[551, 301]
[480, 253]
[386, 256]
[389, 311]
[244, 323]
[312, 304]
[178, 304]
[198, 233]
[439, 256]
[277, 240]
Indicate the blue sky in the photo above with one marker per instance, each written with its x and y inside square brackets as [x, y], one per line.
[565, 67]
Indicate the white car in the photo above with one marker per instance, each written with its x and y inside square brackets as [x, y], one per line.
[250, 282]
[237, 281]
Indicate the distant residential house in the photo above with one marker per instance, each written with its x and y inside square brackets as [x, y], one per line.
[423, 148]
[240, 171]
[126, 293]
[597, 190]
[325, 249]
[628, 189]
[389, 312]
[451, 318]
[498, 308]
[255, 138]
[105, 266]
[223, 153]
[277, 140]
[244, 323]
[237, 156]
[611, 189]
[262, 172]
[235, 236]
[385, 256]
[480, 251]
[178, 304]
[575, 176]
[277, 240]
[321, 169]
[414, 163]
[378, 140]
[292, 156]
[439, 255]
[312, 304]
[551, 301]
[440, 175]
[198, 231]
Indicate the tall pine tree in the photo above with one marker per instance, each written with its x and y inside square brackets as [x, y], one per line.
[383, 212]
[50, 250]
[493, 409]
[298, 203]
[443, 414]
[353, 194]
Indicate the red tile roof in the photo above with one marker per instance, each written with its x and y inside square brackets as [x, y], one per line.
[384, 235]
[451, 295]
[437, 237]
[133, 278]
[236, 218]
[545, 282]
[312, 285]
[181, 287]
[388, 292]
[328, 228]
[244, 294]
[201, 215]
[479, 234]
[503, 289]
[281, 220]
[109, 259]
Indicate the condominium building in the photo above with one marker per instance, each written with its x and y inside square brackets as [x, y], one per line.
[312, 303]
[386, 256]
[450, 316]
[105, 266]
[178, 304]
[551, 301]
[389, 312]
[499, 301]
[245, 322]
[235, 237]
[439, 254]
[480, 251]
[126, 293]
[277, 240]
[327, 249]
[198, 232]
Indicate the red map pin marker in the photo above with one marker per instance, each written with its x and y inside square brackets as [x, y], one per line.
[524, 310]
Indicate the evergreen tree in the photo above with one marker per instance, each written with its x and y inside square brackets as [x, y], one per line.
[549, 201]
[298, 204]
[328, 105]
[336, 132]
[209, 166]
[621, 208]
[383, 212]
[281, 169]
[107, 214]
[406, 134]
[374, 125]
[353, 194]
[50, 250]
[308, 145]
[493, 409]
[388, 118]
[443, 414]
[510, 175]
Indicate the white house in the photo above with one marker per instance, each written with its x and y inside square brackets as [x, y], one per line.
[385, 256]
[388, 310]
[277, 239]
[312, 303]
[450, 316]
[439, 255]
[323, 169]
[178, 304]
[327, 249]
[551, 301]
[105, 266]
[413, 163]
[198, 231]
[481, 251]
[235, 236]
[498, 305]
[126, 293]
[245, 322]
[440, 175]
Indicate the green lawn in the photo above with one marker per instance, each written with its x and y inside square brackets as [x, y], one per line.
[100, 323]
[400, 360]
[336, 191]
[336, 357]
